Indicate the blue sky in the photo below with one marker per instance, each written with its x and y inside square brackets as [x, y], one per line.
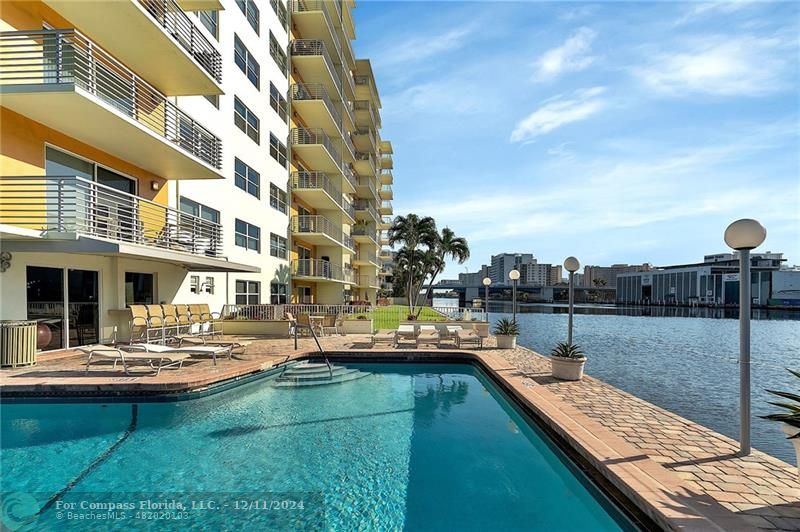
[615, 132]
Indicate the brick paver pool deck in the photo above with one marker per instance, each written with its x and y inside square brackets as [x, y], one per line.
[683, 475]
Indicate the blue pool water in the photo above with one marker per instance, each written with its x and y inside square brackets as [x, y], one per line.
[416, 447]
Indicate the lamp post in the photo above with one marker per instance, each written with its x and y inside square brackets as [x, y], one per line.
[486, 282]
[571, 264]
[744, 235]
[514, 276]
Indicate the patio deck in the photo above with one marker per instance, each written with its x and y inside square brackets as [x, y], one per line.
[683, 475]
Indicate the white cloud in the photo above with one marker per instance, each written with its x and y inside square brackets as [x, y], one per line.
[744, 66]
[572, 56]
[418, 49]
[701, 9]
[436, 97]
[557, 112]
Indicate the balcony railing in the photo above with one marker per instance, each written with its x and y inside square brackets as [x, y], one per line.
[55, 57]
[366, 106]
[366, 205]
[366, 132]
[315, 91]
[350, 176]
[302, 136]
[73, 205]
[321, 181]
[369, 183]
[369, 281]
[386, 205]
[315, 47]
[364, 156]
[365, 230]
[321, 225]
[169, 15]
[323, 6]
[387, 220]
[321, 268]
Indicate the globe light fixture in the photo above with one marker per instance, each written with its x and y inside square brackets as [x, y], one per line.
[514, 276]
[571, 264]
[744, 235]
[486, 282]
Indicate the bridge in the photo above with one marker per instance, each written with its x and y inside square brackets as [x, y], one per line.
[527, 293]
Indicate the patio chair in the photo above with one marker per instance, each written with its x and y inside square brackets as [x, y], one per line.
[193, 350]
[406, 332]
[138, 323]
[184, 315]
[195, 337]
[450, 333]
[292, 323]
[329, 324]
[428, 334]
[385, 336]
[171, 318]
[468, 336]
[103, 352]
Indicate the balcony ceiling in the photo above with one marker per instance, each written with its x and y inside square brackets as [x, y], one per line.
[128, 32]
[316, 157]
[314, 69]
[316, 115]
[316, 198]
[201, 5]
[80, 115]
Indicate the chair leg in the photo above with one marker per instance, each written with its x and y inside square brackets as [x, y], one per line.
[89, 361]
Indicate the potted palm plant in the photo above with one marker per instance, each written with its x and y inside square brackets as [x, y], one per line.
[567, 361]
[506, 332]
[790, 419]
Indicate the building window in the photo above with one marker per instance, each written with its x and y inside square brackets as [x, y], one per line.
[250, 11]
[277, 246]
[213, 99]
[198, 209]
[246, 178]
[248, 292]
[277, 149]
[246, 63]
[277, 198]
[277, 101]
[280, 9]
[209, 285]
[194, 284]
[277, 53]
[246, 120]
[210, 19]
[248, 236]
[278, 293]
[139, 288]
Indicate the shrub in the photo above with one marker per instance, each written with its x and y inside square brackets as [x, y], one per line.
[792, 415]
[506, 327]
[565, 350]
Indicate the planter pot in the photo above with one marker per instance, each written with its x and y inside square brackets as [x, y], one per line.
[568, 369]
[791, 431]
[506, 342]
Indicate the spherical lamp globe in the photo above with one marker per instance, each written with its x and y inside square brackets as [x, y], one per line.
[486, 281]
[513, 275]
[745, 234]
[571, 264]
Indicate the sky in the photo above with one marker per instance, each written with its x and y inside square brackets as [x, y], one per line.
[615, 132]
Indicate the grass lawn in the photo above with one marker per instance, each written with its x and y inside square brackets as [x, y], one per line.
[389, 317]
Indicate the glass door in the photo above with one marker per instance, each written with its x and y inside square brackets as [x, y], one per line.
[45, 301]
[84, 311]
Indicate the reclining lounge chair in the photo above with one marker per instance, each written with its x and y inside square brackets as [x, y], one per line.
[103, 352]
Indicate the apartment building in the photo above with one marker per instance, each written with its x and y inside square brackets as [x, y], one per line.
[500, 265]
[607, 275]
[337, 158]
[146, 153]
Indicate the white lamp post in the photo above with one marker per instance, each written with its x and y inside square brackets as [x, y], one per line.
[571, 264]
[486, 283]
[744, 235]
[514, 276]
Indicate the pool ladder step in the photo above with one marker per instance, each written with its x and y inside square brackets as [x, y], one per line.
[314, 374]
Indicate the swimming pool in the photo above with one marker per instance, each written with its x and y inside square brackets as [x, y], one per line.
[409, 446]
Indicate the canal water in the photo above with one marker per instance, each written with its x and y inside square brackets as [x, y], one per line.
[683, 360]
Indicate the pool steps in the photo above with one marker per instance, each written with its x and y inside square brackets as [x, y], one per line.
[316, 374]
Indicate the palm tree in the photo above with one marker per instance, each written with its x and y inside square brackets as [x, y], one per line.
[412, 231]
[447, 246]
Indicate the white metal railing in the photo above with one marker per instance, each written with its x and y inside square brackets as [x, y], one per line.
[365, 106]
[315, 223]
[366, 205]
[350, 176]
[305, 136]
[315, 91]
[316, 47]
[367, 230]
[66, 57]
[305, 6]
[55, 204]
[364, 156]
[319, 268]
[278, 312]
[321, 181]
[386, 205]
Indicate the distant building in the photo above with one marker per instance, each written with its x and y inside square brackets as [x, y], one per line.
[555, 275]
[536, 274]
[607, 275]
[713, 281]
[504, 263]
[474, 278]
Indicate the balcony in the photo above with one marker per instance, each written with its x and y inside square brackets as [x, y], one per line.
[74, 215]
[319, 19]
[366, 89]
[366, 115]
[155, 38]
[201, 5]
[368, 281]
[386, 256]
[365, 210]
[386, 192]
[386, 176]
[312, 62]
[315, 106]
[384, 238]
[385, 222]
[386, 146]
[364, 140]
[366, 189]
[364, 164]
[316, 150]
[350, 180]
[63, 80]
[386, 162]
[319, 231]
[320, 191]
[386, 208]
[321, 270]
[364, 233]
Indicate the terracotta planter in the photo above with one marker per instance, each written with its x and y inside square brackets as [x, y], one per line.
[568, 369]
[791, 431]
[506, 341]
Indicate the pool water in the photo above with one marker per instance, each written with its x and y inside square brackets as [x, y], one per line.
[416, 447]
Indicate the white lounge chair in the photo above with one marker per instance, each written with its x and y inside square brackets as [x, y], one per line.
[104, 352]
[193, 350]
[428, 334]
[406, 332]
